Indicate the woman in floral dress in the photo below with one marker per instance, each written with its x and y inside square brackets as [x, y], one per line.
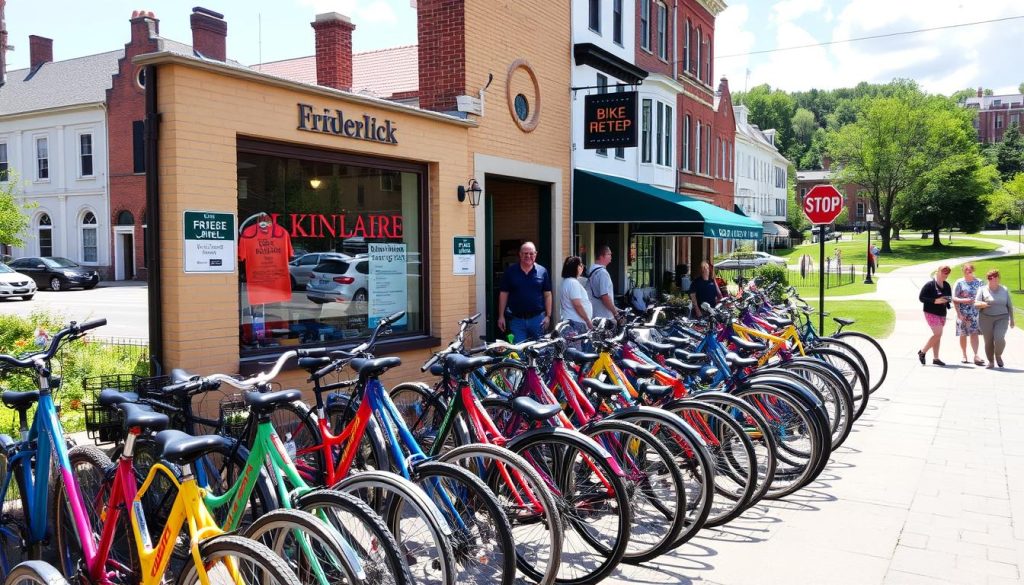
[964, 291]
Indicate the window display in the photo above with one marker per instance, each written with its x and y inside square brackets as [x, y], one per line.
[335, 245]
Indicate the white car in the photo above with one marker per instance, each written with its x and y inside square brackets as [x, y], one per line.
[301, 267]
[750, 260]
[16, 284]
[339, 280]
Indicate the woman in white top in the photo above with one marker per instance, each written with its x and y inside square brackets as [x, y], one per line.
[574, 301]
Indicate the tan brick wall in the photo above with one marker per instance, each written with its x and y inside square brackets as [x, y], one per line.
[203, 113]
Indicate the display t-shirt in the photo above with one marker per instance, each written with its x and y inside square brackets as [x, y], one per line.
[266, 253]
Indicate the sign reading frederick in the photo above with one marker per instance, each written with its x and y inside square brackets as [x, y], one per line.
[360, 127]
[465, 256]
[209, 241]
[609, 120]
[388, 282]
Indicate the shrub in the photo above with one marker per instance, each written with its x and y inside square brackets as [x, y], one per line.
[770, 273]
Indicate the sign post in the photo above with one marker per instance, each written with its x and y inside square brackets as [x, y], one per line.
[822, 205]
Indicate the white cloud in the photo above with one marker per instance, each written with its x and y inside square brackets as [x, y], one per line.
[790, 10]
[736, 41]
[379, 11]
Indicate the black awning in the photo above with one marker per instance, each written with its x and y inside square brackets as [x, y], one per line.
[600, 59]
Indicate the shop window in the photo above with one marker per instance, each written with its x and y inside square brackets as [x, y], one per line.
[4, 168]
[360, 218]
[85, 155]
[42, 159]
[45, 235]
[89, 238]
[641, 269]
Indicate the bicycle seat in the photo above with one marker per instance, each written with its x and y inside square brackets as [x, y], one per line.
[844, 322]
[689, 356]
[20, 400]
[679, 341]
[313, 363]
[709, 374]
[740, 362]
[641, 370]
[371, 368]
[662, 348]
[682, 366]
[143, 417]
[654, 391]
[747, 345]
[460, 365]
[179, 375]
[437, 369]
[266, 402]
[111, 397]
[182, 449]
[779, 322]
[602, 389]
[533, 410]
[579, 357]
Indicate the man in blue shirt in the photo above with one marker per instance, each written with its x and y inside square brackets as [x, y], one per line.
[526, 295]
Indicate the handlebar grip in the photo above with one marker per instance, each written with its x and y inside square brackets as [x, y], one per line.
[92, 324]
[397, 315]
[324, 371]
[186, 386]
[311, 352]
[426, 365]
[470, 320]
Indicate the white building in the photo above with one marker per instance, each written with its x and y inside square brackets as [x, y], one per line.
[760, 176]
[53, 143]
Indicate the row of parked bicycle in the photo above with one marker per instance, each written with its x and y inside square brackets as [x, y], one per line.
[549, 461]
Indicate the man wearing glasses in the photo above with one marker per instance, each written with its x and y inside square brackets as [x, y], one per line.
[525, 296]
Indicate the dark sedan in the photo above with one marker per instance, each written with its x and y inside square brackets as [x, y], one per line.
[56, 273]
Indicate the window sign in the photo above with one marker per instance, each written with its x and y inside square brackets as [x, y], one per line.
[465, 256]
[209, 241]
[388, 282]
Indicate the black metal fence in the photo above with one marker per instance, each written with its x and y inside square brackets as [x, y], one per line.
[128, 348]
[834, 276]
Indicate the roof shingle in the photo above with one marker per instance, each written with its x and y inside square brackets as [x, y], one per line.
[382, 73]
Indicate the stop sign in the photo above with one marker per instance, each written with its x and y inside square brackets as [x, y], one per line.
[823, 204]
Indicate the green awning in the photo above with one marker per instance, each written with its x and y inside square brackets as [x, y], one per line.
[601, 198]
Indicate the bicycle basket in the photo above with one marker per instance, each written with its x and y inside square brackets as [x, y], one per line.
[103, 424]
[234, 414]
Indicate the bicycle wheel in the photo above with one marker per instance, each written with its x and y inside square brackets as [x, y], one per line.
[847, 350]
[591, 495]
[364, 530]
[528, 504]
[654, 483]
[502, 379]
[423, 411]
[414, 521]
[830, 388]
[372, 453]
[848, 368]
[35, 573]
[254, 563]
[312, 550]
[872, 352]
[296, 425]
[14, 517]
[481, 534]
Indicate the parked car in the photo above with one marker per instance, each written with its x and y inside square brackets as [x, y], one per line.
[829, 235]
[301, 267]
[57, 273]
[339, 280]
[749, 260]
[15, 284]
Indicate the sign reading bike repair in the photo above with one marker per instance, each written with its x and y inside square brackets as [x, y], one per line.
[209, 241]
[823, 204]
[609, 120]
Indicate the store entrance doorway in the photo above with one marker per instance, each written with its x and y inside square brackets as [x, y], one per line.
[516, 211]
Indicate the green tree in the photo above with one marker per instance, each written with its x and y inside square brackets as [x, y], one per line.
[770, 109]
[1020, 88]
[794, 210]
[961, 95]
[988, 92]
[1010, 153]
[1007, 203]
[952, 194]
[13, 216]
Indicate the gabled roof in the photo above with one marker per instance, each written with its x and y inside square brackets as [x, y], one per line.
[382, 73]
[813, 175]
[79, 81]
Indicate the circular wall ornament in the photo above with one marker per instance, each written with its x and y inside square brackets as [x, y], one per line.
[522, 92]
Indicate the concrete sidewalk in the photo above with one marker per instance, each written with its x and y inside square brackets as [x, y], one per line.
[929, 488]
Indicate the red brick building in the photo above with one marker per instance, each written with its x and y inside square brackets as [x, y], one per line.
[857, 202]
[996, 113]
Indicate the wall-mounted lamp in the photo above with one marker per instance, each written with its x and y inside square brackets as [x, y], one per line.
[315, 183]
[474, 191]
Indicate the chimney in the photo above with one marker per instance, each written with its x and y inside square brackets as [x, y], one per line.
[3, 44]
[826, 162]
[209, 33]
[40, 50]
[333, 50]
[145, 27]
[981, 92]
[441, 36]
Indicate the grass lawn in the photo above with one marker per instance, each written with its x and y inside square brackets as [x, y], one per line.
[874, 318]
[1012, 237]
[1008, 275]
[857, 288]
[904, 252]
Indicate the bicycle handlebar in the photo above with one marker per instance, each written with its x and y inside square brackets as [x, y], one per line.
[33, 360]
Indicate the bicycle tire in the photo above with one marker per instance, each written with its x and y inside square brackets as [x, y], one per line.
[538, 553]
[851, 352]
[35, 573]
[481, 534]
[423, 411]
[14, 520]
[848, 368]
[364, 530]
[432, 560]
[278, 529]
[273, 570]
[296, 425]
[373, 452]
[829, 386]
[873, 353]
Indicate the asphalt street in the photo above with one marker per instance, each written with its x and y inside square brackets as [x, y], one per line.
[122, 304]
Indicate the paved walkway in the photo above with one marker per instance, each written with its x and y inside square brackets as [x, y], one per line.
[929, 488]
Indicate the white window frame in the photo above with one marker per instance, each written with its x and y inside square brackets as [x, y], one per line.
[645, 25]
[82, 228]
[82, 155]
[687, 32]
[645, 130]
[659, 157]
[617, 25]
[5, 161]
[686, 142]
[669, 138]
[39, 229]
[700, 33]
[699, 135]
[594, 15]
[36, 140]
[662, 31]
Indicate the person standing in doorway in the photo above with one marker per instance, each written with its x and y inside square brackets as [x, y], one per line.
[935, 297]
[996, 313]
[964, 291]
[599, 285]
[525, 294]
[704, 290]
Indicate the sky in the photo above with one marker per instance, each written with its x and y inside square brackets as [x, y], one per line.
[943, 61]
[285, 25]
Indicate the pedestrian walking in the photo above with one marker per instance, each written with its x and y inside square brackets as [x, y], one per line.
[935, 296]
[525, 296]
[704, 289]
[996, 308]
[964, 291]
[574, 303]
[600, 287]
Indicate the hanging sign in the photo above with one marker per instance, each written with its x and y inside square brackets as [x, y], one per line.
[209, 241]
[609, 120]
[465, 256]
[388, 286]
